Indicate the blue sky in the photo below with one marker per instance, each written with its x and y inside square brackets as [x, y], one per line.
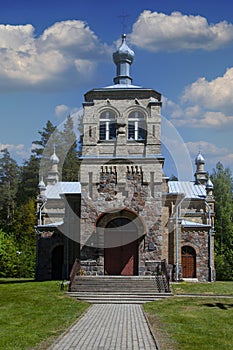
[51, 53]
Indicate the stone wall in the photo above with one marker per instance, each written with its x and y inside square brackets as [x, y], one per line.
[116, 191]
[199, 240]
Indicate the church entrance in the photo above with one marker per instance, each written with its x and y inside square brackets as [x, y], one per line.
[188, 260]
[57, 262]
[121, 247]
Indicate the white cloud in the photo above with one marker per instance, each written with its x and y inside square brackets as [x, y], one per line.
[18, 152]
[216, 93]
[155, 31]
[68, 49]
[62, 111]
[207, 104]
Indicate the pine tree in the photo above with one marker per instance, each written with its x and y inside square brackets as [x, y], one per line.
[222, 180]
[45, 147]
[9, 179]
[29, 179]
[68, 145]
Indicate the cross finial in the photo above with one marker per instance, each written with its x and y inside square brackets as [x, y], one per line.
[123, 19]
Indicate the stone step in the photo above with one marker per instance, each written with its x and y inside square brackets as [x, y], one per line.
[121, 298]
[118, 288]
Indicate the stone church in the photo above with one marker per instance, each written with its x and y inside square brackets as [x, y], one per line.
[125, 217]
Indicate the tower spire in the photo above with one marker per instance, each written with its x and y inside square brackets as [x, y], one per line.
[53, 174]
[123, 58]
[200, 174]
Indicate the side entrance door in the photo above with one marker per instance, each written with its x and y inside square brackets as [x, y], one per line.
[188, 261]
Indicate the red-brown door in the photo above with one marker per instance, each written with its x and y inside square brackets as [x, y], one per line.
[122, 260]
[188, 261]
[121, 252]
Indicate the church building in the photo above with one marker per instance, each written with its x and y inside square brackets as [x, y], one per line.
[124, 217]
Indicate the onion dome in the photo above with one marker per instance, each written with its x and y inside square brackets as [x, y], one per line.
[41, 184]
[199, 159]
[123, 58]
[54, 158]
[209, 185]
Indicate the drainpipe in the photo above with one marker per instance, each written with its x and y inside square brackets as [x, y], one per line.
[210, 242]
[177, 238]
[40, 210]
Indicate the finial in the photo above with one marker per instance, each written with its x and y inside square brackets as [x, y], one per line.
[41, 184]
[54, 158]
[123, 58]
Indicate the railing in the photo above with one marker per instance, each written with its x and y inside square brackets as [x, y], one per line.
[74, 271]
[166, 274]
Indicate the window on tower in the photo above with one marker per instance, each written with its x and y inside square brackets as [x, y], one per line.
[107, 126]
[136, 126]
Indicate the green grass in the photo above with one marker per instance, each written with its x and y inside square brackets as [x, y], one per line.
[192, 323]
[216, 288]
[32, 314]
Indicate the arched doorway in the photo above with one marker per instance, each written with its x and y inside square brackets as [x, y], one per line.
[57, 262]
[121, 248]
[188, 261]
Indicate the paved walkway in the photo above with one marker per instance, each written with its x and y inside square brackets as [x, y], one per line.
[107, 327]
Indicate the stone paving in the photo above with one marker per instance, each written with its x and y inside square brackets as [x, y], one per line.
[108, 327]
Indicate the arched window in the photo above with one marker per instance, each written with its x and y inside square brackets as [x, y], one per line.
[107, 126]
[136, 126]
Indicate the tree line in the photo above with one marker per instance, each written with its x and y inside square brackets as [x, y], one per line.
[18, 192]
[19, 189]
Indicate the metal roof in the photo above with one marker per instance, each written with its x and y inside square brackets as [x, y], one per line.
[52, 224]
[55, 191]
[192, 224]
[190, 189]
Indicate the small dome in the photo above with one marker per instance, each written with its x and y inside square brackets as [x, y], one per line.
[209, 185]
[199, 159]
[41, 184]
[54, 158]
[124, 53]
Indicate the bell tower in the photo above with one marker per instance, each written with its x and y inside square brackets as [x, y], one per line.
[122, 164]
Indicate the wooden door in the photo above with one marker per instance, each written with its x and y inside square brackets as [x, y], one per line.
[121, 252]
[188, 261]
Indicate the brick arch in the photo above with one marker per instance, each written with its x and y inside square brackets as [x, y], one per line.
[108, 108]
[122, 231]
[135, 108]
[104, 218]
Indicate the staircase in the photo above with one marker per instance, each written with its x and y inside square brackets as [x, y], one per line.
[119, 289]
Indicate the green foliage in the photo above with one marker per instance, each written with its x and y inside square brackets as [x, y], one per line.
[68, 143]
[26, 237]
[9, 178]
[9, 255]
[29, 179]
[222, 180]
[19, 189]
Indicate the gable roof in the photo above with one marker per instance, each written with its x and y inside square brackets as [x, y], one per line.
[55, 191]
[190, 189]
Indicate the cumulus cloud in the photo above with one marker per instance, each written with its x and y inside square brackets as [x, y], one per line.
[155, 31]
[68, 49]
[61, 111]
[216, 93]
[19, 151]
[204, 103]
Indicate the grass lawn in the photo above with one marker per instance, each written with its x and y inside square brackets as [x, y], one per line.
[32, 313]
[195, 322]
[217, 288]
